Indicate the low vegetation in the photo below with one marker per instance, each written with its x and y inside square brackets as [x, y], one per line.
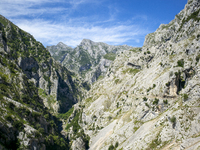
[110, 56]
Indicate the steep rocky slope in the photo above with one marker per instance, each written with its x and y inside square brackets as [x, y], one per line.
[33, 89]
[150, 96]
[89, 59]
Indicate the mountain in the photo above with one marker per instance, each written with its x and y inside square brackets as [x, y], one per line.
[59, 51]
[89, 59]
[149, 97]
[35, 92]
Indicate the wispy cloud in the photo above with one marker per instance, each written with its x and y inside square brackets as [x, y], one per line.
[33, 17]
[17, 8]
[51, 33]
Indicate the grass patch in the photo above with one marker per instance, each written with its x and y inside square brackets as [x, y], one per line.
[117, 81]
[3, 21]
[110, 56]
[67, 114]
[88, 100]
[135, 50]
[131, 71]
[185, 97]
[100, 77]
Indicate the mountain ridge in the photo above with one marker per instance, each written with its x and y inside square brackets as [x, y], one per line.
[89, 59]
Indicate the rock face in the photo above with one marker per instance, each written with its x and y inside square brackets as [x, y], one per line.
[89, 59]
[59, 51]
[150, 96]
[33, 88]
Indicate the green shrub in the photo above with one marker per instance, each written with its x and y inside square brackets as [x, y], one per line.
[67, 114]
[11, 106]
[197, 58]
[117, 104]
[155, 143]
[147, 104]
[46, 116]
[167, 84]
[41, 130]
[111, 147]
[155, 102]
[88, 100]
[173, 119]
[109, 118]
[18, 124]
[74, 123]
[36, 115]
[116, 81]
[8, 117]
[116, 144]
[165, 101]
[180, 63]
[145, 99]
[185, 97]
[37, 134]
[148, 89]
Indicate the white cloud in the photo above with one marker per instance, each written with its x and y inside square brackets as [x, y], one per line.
[70, 30]
[51, 34]
[18, 8]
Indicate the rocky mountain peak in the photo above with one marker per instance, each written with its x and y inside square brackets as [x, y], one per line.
[62, 45]
[182, 27]
[87, 42]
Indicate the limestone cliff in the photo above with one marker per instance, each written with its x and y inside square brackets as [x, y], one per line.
[150, 96]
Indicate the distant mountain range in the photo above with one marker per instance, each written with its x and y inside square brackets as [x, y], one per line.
[89, 59]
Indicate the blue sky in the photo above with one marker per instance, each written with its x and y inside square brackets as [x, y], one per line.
[115, 22]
